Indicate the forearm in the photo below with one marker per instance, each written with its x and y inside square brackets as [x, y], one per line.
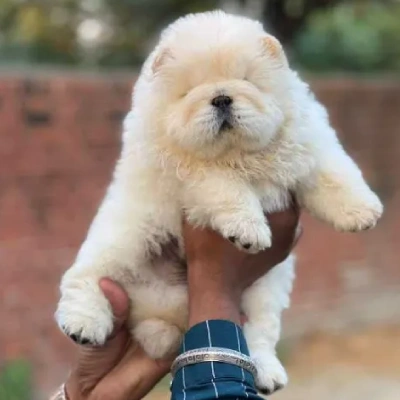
[215, 299]
[211, 380]
[214, 322]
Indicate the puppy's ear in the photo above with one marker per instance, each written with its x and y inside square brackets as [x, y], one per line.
[162, 56]
[273, 49]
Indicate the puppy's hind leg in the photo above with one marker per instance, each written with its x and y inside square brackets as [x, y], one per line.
[263, 304]
[129, 225]
[159, 315]
[84, 313]
[158, 338]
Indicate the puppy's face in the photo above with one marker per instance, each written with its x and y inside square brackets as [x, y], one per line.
[218, 98]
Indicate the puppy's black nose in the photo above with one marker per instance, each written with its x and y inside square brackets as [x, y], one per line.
[221, 101]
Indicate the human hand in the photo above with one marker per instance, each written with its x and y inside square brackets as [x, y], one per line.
[218, 272]
[217, 275]
[119, 370]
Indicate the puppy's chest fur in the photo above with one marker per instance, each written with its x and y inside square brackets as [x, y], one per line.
[281, 165]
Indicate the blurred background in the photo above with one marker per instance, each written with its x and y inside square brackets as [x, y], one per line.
[66, 73]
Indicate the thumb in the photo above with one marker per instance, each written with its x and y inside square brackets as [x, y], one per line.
[118, 299]
[95, 362]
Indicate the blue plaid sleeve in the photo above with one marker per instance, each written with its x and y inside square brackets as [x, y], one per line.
[213, 380]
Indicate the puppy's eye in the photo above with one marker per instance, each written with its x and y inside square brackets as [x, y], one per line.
[183, 94]
[254, 83]
[247, 79]
[251, 81]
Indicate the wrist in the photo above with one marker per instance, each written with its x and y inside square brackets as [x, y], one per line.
[217, 308]
[211, 296]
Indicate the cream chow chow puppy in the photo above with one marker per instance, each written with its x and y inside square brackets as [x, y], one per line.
[221, 130]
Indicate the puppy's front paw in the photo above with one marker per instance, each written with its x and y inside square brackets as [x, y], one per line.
[358, 214]
[158, 338]
[248, 235]
[85, 316]
[271, 376]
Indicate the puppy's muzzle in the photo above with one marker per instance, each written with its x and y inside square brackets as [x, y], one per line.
[223, 105]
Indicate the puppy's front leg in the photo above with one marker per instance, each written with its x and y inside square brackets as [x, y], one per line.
[337, 193]
[230, 207]
[334, 190]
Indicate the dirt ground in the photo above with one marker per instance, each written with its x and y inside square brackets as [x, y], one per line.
[355, 366]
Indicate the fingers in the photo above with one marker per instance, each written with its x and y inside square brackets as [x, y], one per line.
[94, 363]
[284, 220]
[133, 378]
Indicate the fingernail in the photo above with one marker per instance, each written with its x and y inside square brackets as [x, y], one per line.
[297, 234]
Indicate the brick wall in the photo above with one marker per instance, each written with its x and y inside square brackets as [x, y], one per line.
[59, 138]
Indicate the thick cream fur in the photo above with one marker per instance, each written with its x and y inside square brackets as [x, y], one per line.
[175, 158]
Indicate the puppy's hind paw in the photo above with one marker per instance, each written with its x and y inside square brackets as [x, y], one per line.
[271, 376]
[85, 317]
[158, 338]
